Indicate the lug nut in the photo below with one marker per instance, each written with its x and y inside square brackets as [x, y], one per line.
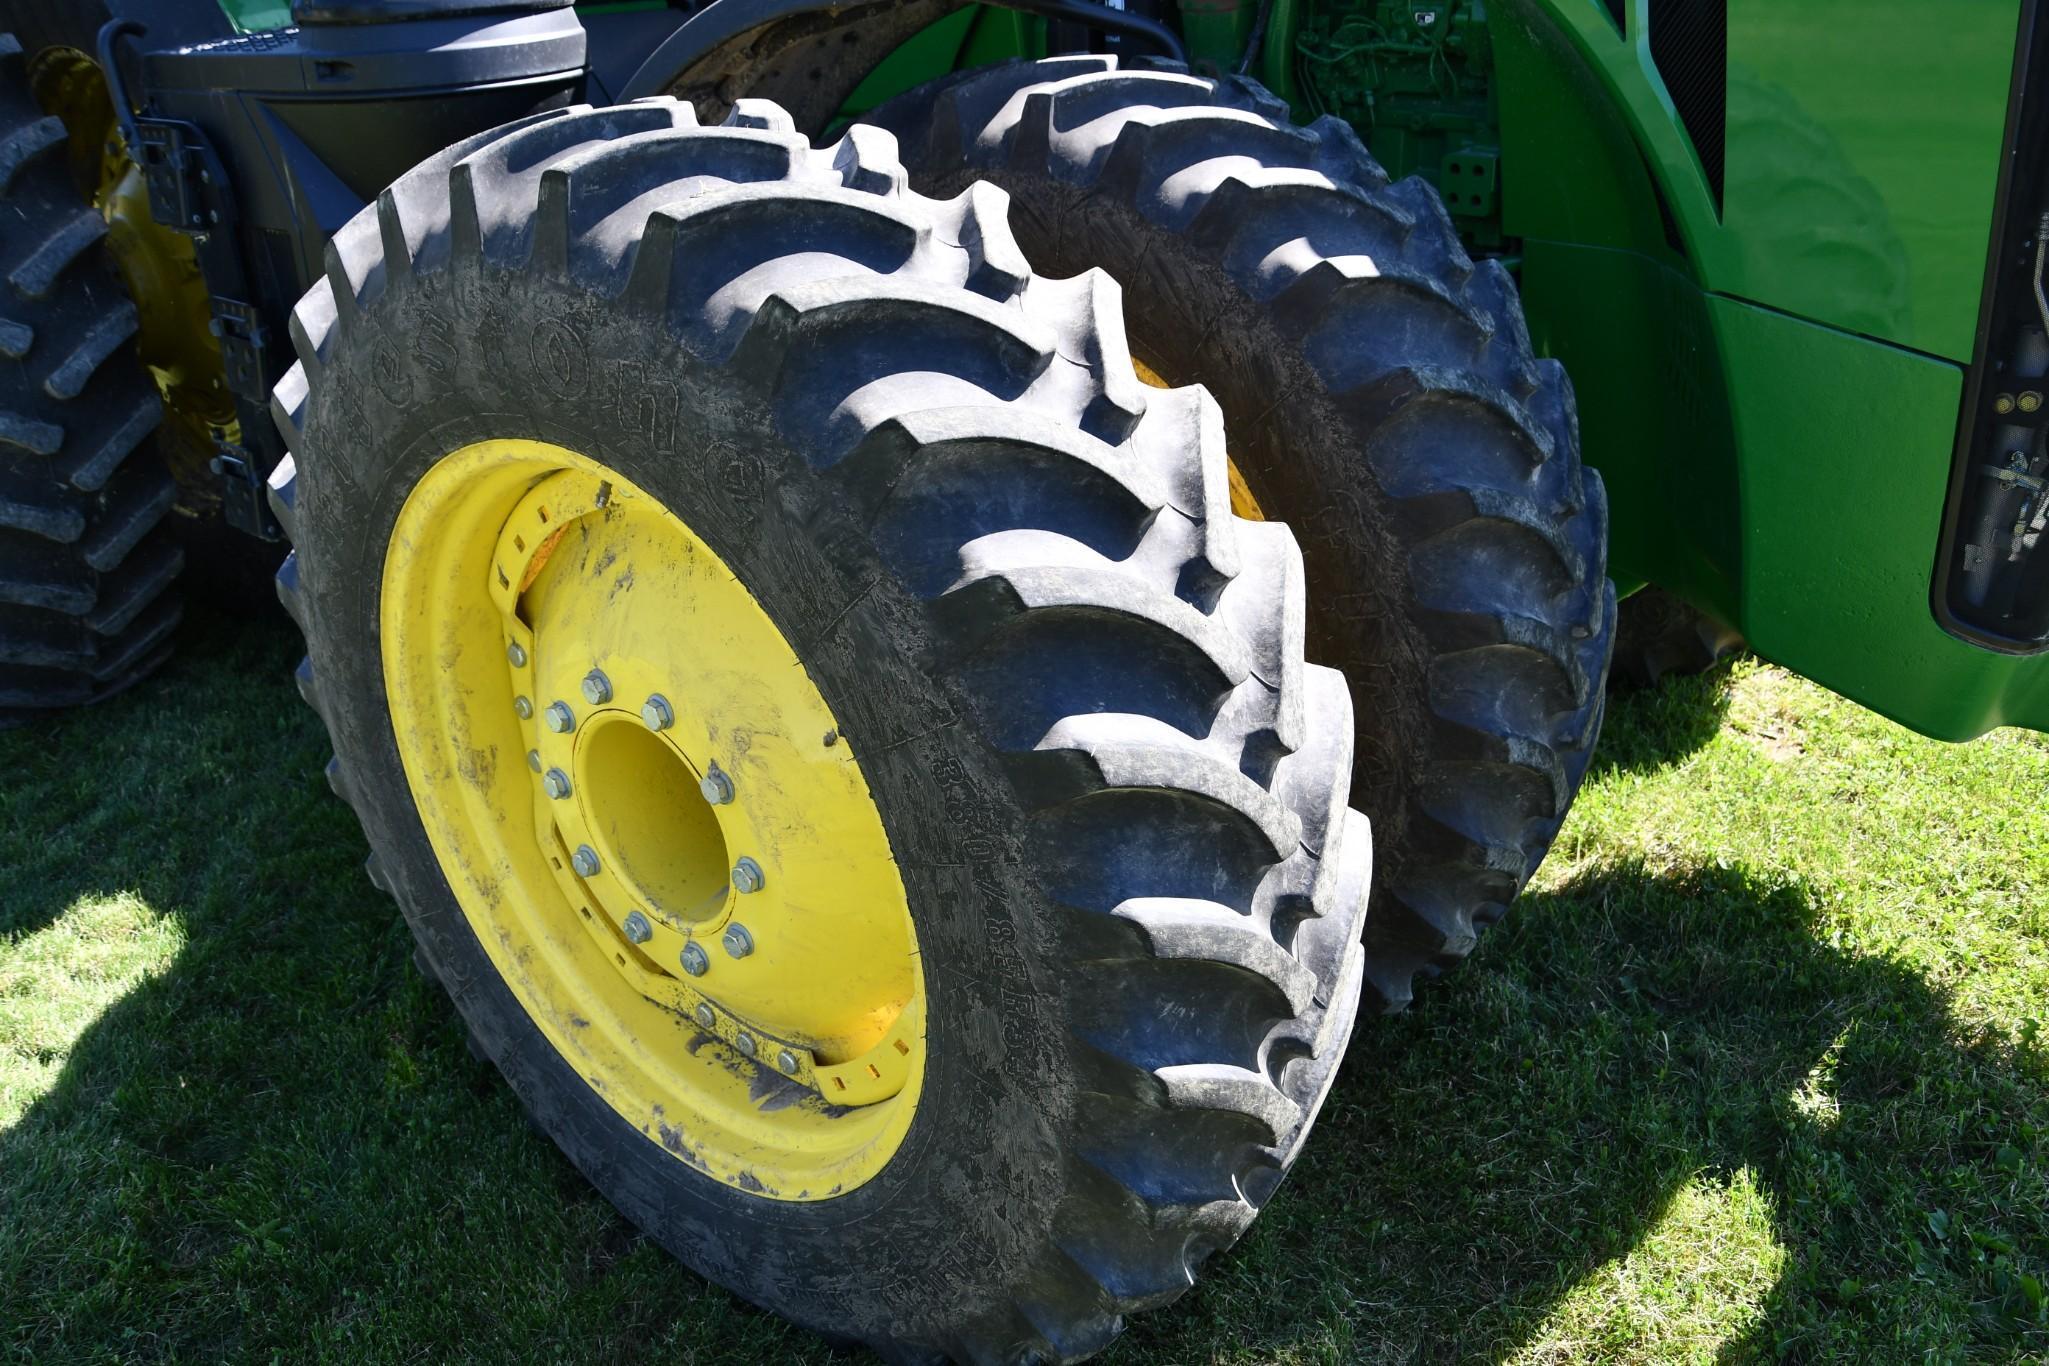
[516, 653]
[638, 931]
[706, 1016]
[2030, 401]
[737, 941]
[716, 786]
[745, 1043]
[694, 960]
[585, 861]
[559, 718]
[787, 1061]
[555, 783]
[656, 713]
[747, 876]
[522, 708]
[533, 760]
[597, 689]
[2003, 404]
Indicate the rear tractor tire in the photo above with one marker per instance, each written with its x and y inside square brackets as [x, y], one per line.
[86, 566]
[1382, 398]
[830, 737]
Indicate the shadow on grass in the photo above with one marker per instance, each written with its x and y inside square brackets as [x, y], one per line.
[278, 1145]
[1618, 1069]
[1647, 729]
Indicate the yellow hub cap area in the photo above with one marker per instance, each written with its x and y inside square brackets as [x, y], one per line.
[651, 820]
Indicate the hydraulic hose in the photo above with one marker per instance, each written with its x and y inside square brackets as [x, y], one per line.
[111, 33]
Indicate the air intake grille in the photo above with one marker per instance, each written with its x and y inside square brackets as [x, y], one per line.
[1690, 44]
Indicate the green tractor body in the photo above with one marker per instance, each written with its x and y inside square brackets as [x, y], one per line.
[1783, 252]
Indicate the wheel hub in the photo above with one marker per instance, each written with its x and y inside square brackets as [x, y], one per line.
[689, 837]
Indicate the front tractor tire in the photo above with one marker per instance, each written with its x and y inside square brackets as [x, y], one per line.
[1381, 397]
[87, 568]
[830, 737]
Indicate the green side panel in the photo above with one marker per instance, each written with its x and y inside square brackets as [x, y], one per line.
[1863, 157]
[1770, 463]
[1789, 477]
[1862, 152]
[1635, 337]
[1844, 450]
[1591, 151]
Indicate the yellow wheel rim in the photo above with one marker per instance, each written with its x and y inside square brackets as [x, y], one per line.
[651, 821]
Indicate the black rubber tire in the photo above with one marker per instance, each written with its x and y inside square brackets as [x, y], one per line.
[1381, 396]
[1115, 791]
[86, 566]
[1659, 635]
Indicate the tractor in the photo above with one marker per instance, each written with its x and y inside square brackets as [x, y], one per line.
[922, 603]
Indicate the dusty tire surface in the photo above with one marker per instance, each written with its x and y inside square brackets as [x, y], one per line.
[86, 566]
[1114, 789]
[1380, 395]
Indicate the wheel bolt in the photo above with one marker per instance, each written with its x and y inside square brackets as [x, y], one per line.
[559, 718]
[747, 876]
[533, 760]
[738, 942]
[706, 1016]
[745, 1043]
[716, 786]
[638, 931]
[695, 961]
[787, 1061]
[555, 783]
[516, 653]
[656, 713]
[522, 708]
[585, 861]
[597, 689]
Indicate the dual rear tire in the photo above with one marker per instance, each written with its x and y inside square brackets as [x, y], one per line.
[1072, 681]
[1381, 397]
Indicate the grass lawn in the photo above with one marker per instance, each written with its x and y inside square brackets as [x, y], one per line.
[1754, 1071]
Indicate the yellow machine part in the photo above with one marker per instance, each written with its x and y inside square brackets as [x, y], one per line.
[174, 311]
